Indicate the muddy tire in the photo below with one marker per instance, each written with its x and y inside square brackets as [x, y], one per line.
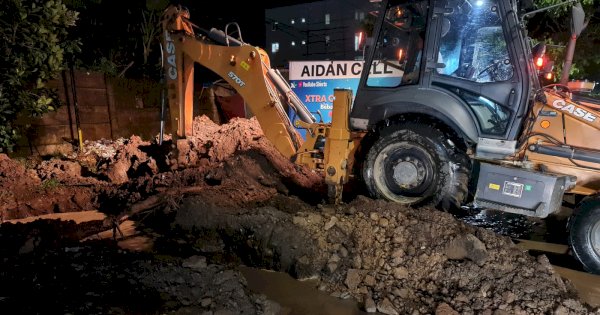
[417, 165]
[584, 234]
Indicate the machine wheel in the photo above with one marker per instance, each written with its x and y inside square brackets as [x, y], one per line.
[584, 235]
[417, 165]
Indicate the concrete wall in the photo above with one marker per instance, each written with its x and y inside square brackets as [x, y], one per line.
[109, 108]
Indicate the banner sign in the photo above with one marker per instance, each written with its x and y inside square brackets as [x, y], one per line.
[314, 82]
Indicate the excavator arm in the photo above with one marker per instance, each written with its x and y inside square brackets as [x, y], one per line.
[244, 67]
[247, 69]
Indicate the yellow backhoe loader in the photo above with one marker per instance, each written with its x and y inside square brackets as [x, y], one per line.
[467, 121]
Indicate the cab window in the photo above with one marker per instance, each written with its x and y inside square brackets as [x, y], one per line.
[473, 45]
[399, 47]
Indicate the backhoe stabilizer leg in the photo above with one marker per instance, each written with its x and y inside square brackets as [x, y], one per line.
[179, 70]
[339, 145]
[334, 193]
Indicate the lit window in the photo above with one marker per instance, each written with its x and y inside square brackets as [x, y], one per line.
[303, 42]
[293, 21]
[327, 40]
[327, 18]
[361, 16]
[274, 26]
[274, 47]
[357, 40]
[303, 20]
[293, 43]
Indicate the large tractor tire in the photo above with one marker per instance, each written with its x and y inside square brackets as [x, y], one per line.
[416, 165]
[584, 234]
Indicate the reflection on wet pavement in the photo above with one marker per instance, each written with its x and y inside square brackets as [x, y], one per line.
[552, 229]
[512, 225]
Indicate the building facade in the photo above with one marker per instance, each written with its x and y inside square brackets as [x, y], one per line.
[322, 30]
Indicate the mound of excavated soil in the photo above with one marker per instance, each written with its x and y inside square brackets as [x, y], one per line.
[28, 189]
[233, 162]
[393, 259]
[213, 144]
[244, 202]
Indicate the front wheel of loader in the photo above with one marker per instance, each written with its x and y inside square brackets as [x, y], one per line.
[416, 164]
[584, 235]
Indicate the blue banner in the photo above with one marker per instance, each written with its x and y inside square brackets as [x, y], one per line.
[314, 82]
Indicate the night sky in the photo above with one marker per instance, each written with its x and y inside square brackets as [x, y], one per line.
[250, 15]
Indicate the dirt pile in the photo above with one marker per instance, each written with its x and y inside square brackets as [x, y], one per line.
[234, 160]
[11, 173]
[30, 187]
[228, 198]
[393, 259]
[213, 144]
[403, 261]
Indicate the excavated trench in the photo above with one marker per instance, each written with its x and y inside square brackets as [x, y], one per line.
[227, 199]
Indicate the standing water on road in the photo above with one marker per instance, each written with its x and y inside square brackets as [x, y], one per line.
[547, 232]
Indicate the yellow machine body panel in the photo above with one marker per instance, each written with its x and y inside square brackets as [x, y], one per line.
[560, 125]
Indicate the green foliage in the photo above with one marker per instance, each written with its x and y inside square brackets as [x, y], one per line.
[50, 184]
[101, 64]
[119, 38]
[561, 11]
[33, 43]
[553, 27]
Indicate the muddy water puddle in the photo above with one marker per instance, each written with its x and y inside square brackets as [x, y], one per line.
[298, 297]
[295, 297]
[512, 225]
[551, 229]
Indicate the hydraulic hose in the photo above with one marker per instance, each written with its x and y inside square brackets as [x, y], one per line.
[293, 100]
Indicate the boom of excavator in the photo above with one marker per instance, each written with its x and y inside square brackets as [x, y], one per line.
[267, 94]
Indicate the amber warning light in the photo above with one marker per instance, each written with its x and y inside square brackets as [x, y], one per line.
[539, 62]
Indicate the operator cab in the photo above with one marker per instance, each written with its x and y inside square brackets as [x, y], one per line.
[461, 62]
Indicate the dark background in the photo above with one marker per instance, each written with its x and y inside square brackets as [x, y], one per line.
[250, 15]
[111, 35]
